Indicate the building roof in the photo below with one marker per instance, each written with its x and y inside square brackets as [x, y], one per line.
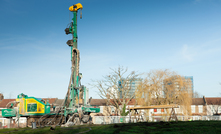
[213, 100]
[195, 101]
[98, 102]
[198, 101]
[50, 100]
[103, 102]
[58, 102]
[5, 102]
[132, 102]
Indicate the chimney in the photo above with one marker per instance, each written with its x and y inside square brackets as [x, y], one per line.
[89, 102]
[204, 99]
[1, 96]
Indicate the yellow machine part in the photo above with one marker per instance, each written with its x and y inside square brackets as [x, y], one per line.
[31, 105]
[21, 105]
[39, 109]
[76, 7]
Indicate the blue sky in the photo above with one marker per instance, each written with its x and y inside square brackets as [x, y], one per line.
[143, 35]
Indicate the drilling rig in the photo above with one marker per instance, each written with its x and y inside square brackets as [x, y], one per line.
[74, 107]
[75, 100]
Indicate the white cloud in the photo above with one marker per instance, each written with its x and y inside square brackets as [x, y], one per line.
[188, 53]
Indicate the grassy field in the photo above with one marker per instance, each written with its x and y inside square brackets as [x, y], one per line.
[191, 127]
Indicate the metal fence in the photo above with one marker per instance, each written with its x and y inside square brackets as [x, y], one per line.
[12, 123]
[134, 119]
[6, 123]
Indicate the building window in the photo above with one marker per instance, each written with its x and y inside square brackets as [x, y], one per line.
[112, 110]
[219, 109]
[200, 107]
[155, 110]
[32, 107]
[193, 109]
[101, 109]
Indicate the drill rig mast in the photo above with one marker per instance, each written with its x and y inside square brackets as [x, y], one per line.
[75, 100]
[74, 87]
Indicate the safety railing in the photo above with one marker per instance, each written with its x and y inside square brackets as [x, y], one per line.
[134, 119]
[12, 123]
[7, 123]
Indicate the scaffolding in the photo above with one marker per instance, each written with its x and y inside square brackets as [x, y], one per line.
[172, 113]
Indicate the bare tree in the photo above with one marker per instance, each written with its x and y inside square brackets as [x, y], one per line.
[163, 87]
[116, 88]
[197, 95]
[214, 105]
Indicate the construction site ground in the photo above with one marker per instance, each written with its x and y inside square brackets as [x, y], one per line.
[190, 127]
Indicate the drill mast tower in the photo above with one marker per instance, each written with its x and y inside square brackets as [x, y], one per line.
[75, 92]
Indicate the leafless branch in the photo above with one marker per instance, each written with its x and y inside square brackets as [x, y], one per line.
[116, 87]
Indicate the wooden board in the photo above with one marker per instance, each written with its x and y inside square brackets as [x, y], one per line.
[154, 107]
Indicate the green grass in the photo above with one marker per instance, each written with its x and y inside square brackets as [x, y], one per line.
[190, 127]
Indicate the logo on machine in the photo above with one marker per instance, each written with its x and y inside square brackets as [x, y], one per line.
[9, 112]
[6, 111]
